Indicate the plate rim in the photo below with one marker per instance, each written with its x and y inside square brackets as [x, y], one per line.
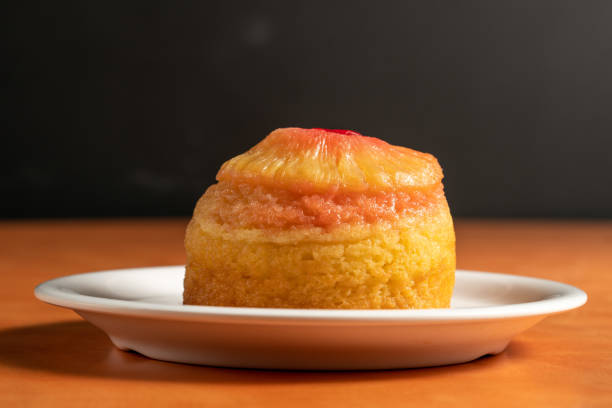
[568, 297]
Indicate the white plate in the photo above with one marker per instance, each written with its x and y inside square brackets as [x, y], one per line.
[140, 309]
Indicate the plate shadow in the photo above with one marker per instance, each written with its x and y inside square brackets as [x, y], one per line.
[78, 348]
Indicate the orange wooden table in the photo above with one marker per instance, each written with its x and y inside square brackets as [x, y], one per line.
[50, 357]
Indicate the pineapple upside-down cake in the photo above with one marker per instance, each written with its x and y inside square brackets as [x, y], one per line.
[317, 218]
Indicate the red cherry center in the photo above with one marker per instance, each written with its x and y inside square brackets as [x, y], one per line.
[340, 131]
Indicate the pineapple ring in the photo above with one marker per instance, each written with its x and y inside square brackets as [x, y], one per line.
[307, 161]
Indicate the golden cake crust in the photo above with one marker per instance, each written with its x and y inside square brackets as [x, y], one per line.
[404, 264]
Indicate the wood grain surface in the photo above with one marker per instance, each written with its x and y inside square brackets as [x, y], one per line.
[50, 357]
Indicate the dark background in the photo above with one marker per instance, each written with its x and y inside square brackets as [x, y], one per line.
[129, 108]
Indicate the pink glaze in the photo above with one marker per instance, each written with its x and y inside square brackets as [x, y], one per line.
[255, 206]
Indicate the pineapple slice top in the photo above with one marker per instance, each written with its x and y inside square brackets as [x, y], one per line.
[320, 161]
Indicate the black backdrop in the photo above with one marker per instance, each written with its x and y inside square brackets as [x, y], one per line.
[129, 108]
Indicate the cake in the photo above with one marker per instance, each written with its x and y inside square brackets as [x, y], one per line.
[323, 219]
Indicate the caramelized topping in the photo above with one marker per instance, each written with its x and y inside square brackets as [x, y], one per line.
[311, 161]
